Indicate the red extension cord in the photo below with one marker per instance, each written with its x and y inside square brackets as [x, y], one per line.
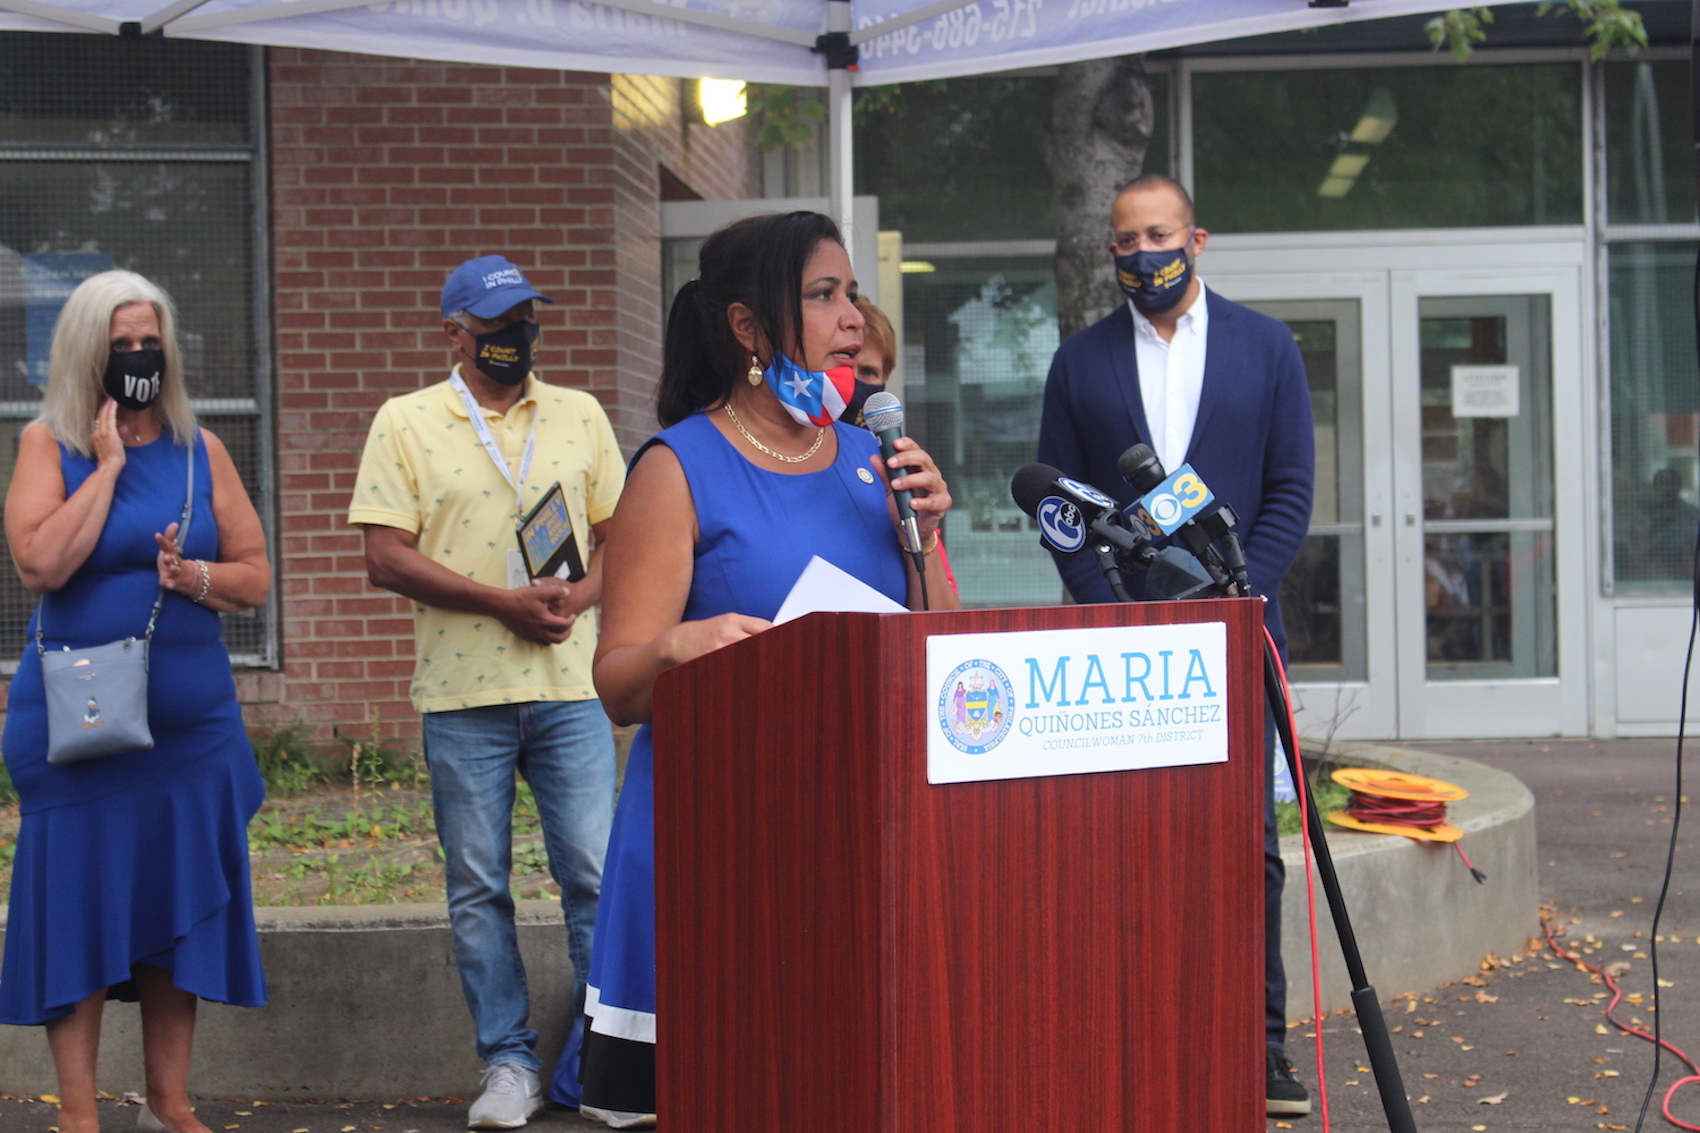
[1627, 1028]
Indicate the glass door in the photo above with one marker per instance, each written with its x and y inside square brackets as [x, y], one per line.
[1487, 488]
[1441, 590]
[1486, 389]
[1336, 598]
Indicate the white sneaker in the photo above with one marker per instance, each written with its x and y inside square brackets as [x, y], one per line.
[619, 1119]
[511, 1094]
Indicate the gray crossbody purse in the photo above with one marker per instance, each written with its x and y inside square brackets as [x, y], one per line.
[97, 698]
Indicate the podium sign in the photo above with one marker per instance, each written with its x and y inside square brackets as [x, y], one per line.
[844, 945]
[1060, 702]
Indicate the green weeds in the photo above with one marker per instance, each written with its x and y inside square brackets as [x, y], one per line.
[286, 760]
[337, 845]
[1326, 795]
[322, 830]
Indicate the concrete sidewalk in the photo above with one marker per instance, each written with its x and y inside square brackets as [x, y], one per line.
[1524, 1050]
[1526, 1039]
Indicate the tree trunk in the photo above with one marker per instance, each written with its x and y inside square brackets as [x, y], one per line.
[1101, 118]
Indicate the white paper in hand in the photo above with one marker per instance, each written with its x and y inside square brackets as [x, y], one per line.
[823, 586]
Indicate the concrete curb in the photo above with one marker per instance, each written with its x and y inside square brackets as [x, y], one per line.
[365, 1004]
[366, 1000]
[1420, 919]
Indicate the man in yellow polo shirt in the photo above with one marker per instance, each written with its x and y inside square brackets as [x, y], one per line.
[485, 499]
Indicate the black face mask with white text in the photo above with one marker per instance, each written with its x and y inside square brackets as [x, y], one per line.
[133, 378]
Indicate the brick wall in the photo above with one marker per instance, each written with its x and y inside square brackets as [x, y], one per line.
[385, 175]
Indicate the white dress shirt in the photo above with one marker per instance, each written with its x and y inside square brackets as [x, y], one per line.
[1171, 377]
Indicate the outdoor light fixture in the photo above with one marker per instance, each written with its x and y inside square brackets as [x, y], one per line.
[915, 267]
[721, 100]
[1374, 125]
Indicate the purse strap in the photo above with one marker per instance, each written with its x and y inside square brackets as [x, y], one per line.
[182, 540]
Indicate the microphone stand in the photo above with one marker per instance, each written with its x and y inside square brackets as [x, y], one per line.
[1378, 1043]
[1111, 566]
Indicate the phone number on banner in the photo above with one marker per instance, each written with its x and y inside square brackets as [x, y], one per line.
[992, 20]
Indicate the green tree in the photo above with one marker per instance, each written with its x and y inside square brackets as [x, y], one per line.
[1607, 26]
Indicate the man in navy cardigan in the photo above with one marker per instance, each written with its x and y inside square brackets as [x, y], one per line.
[1210, 383]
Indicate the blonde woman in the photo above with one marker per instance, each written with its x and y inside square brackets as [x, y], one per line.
[131, 877]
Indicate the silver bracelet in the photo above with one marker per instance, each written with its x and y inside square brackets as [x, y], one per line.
[206, 582]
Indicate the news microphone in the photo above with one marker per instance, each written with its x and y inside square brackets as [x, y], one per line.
[1072, 515]
[1166, 503]
[1068, 512]
[1140, 467]
[1174, 576]
[1172, 505]
[882, 414]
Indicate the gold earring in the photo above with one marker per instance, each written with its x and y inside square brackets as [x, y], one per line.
[755, 371]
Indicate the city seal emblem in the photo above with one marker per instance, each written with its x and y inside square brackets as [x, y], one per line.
[976, 707]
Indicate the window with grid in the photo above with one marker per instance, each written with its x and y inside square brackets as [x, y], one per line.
[143, 155]
[1650, 243]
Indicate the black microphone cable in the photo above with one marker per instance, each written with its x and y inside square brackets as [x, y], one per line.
[1681, 735]
[1693, 630]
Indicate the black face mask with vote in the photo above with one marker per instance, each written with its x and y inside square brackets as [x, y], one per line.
[132, 379]
[505, 355]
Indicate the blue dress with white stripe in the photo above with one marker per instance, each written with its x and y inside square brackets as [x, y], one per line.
[757, 531]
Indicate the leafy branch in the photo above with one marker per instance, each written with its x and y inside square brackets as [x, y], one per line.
[1607, 26]
[790, 115]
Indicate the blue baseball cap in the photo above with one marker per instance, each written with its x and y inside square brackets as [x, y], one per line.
[486, 287]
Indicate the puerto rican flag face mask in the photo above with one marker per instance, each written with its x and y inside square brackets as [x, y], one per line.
[810, 396]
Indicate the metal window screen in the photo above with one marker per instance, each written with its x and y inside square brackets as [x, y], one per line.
[140, 155]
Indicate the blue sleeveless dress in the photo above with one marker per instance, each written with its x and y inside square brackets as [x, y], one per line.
[139, 857]
[757, 531]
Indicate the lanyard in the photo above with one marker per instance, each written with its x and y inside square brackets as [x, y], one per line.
[485, 437]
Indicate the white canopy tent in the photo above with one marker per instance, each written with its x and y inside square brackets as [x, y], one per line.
[798, 42]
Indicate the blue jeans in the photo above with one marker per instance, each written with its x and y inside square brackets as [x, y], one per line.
[565, 750]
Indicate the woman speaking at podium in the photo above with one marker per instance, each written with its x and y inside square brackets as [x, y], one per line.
[750, 478]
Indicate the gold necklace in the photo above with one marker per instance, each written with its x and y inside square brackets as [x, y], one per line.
[820, 435]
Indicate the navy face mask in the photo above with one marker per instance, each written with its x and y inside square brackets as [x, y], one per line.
[505, 355]
[132, 378]
[1154, 281]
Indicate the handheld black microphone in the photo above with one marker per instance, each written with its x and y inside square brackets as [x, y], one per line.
[883, 416]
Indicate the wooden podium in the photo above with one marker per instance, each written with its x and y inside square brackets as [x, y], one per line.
[843, 946]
